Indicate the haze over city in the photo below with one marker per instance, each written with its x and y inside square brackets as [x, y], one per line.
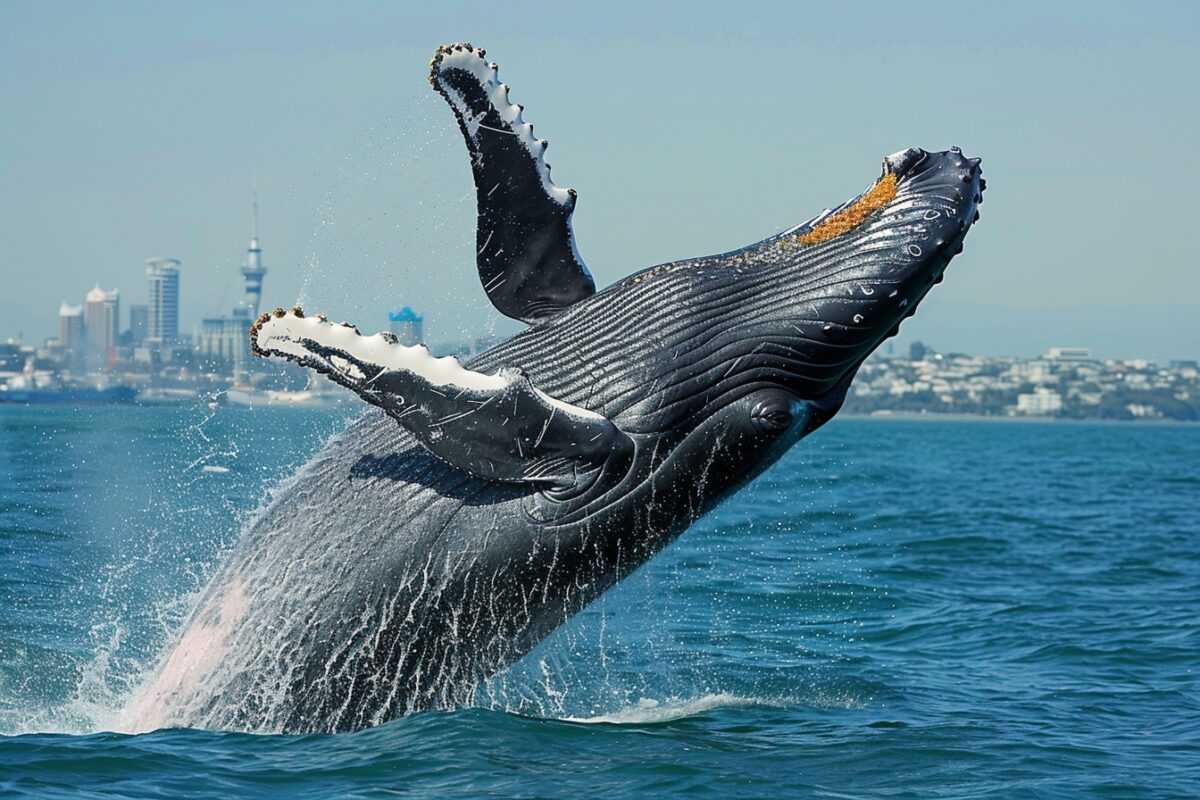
[142, 130]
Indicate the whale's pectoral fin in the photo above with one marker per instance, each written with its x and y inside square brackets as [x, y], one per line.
[497, 427]
[525, 247]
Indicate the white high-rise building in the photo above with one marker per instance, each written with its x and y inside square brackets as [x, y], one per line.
[101, 318]
[70, 327]
[162, 275]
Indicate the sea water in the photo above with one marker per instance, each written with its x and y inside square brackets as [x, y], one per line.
[897, 609]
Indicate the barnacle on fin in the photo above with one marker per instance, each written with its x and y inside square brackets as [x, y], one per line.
[254, 329]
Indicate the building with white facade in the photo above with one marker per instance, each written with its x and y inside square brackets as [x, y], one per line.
[1040, 402]
[70, 328]
[101, 323]
[162, 277]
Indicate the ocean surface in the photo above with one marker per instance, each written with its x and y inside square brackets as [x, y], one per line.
[916, 609]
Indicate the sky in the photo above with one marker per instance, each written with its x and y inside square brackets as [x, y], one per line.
[134, 130]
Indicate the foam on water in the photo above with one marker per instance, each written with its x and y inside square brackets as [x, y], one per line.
[649, 711]
[135, 614]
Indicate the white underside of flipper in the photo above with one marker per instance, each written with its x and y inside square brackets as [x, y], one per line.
[471, 60]
[291, 335]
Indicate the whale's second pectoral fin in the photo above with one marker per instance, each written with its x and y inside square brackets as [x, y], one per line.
[526, 252]
[495, 426]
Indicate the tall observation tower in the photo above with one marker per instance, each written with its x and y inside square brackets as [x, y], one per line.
[253, 270]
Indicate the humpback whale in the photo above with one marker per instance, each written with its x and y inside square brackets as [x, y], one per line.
[477, 506]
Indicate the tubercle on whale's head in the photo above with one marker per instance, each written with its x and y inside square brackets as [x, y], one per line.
[848, 278]
[805, 308]
[895, 184]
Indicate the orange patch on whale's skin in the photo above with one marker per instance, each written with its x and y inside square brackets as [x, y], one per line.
[846, 220]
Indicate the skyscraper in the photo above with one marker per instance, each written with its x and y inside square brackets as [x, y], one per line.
[70, 327]
[101, 314]
[162, 275]
[253, 270]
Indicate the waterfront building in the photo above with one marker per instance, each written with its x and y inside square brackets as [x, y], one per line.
[1040, 402]
[1187, 368]
[101, 315]
[162, 276]
[70, 328]
[12, 358]
[407, 326]
[223, 342]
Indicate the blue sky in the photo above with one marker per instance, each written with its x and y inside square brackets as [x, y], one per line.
[133, 130]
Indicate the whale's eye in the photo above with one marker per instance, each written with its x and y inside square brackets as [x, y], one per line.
[771, 417]
[849, 218]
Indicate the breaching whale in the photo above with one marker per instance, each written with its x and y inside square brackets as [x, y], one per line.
[478, 506]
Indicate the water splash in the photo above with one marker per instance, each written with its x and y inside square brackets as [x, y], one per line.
[649, 711]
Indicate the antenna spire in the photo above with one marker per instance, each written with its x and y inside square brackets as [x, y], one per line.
[253, 270]
[254, 231]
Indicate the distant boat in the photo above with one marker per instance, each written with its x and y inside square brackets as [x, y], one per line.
[80, 396]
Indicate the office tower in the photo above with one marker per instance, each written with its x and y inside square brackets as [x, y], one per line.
[101, 314]
[70, 327]
[162, 275]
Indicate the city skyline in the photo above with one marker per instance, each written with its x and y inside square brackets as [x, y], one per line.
[160, 317]
[963, 327]
[142, 134]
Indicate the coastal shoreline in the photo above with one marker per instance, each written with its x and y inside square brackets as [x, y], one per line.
[913, 416]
